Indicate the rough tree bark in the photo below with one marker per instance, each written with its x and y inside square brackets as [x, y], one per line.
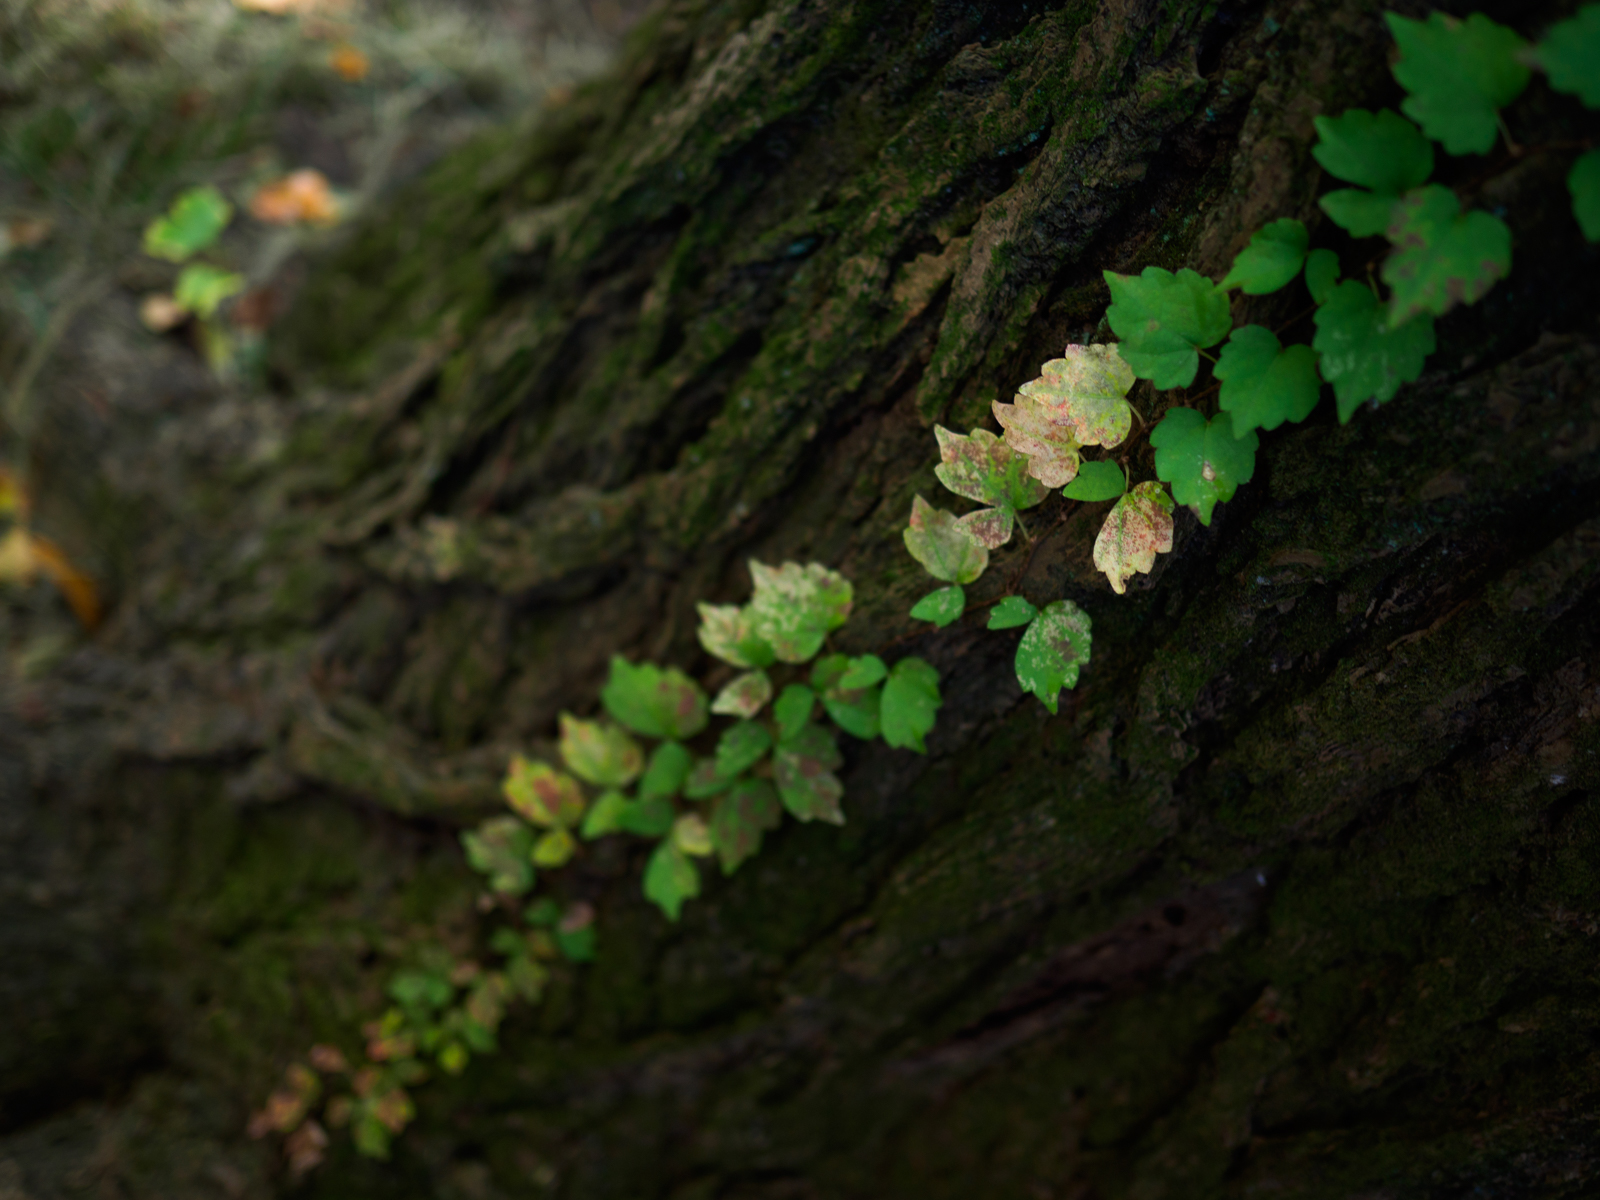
[1296, 896]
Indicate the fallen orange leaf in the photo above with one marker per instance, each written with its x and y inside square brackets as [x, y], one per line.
[299, 196]
[349, 63]
[23, 554]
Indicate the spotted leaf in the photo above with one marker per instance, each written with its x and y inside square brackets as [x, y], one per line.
[1136, 530]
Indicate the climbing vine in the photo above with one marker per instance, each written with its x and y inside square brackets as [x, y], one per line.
[1370, 339]
[653, 768]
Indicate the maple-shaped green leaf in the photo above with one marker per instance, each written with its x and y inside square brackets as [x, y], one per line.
[745, 696]
[1164, 320]
[937, 540]
[1135, 531]
[795, 607]
[1322, 272]
[1272, 258]
[1084, 392]
[1097, 481]
[802, 767]
[1359, 213]
[541, 794]
[981, 467]
[502, 849]
[853, 709]
[793, 710]
[1570, 56]
[746, 811]
[1442, 257]
[554, 848]
[1011, 612]
[189, 226]
[725, 632]
[599, 754]
[1264, 384]
[1459, 74]
[691, 835]
[941, 607]
[201, 288]
[910, 700]
[1361, 356]
[669, 767]
[1051, 450]
[1204, 461]
[1053, 649]
[1583, 181]
[670, 878]
[1381, 151]
[659, 702]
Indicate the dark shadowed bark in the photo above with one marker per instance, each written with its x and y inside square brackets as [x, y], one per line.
[1299, 893]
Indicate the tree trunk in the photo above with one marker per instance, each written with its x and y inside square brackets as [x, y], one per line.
[1298, 893]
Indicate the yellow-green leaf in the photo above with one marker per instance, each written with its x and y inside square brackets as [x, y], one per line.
[1136, 530]
[189, 226]
[944, 548]
[1084, 392]
[541, 794]
[795, 607]
[744, 696]
[600, 754]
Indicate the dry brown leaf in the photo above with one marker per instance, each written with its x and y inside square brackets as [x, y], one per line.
[301, 195]
[159, 312]
[24, 555]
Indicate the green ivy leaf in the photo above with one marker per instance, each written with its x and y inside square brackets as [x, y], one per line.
[863, 672]
[193, 222]
[910, 700]
[554, 848]
[1052, 651]
[1204, 461]
[793, 710]
[1011, 612]
[854, 710]
[795, 607]
[803, 767]
[1459, 74]
[646, 818]
[1097, 481]
[981, 467]
[745, 696]
[1570, 56]
[576, 945]
[740, 747]
[604, 815]
[1271, 260]
[599, 754]
[726, 633]
[941, 607]
[670, 879]
[1361, 356]
[1382, 151]
[942, 545]
[1359, 213]
[202, 287]
[691, 835]
[502, 849]
[1137, 529]
[539, 793]
[1083, 392]
[705, 780]
[1264, 384]
[1584, 183]
[1164, 320]
[669, 767]
[1441, 257]
[741, 816]
[660, 702]
[1322, 272]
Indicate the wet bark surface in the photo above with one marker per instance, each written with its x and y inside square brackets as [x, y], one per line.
[1296, 895]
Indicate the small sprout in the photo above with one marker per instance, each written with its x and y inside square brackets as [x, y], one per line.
[194, 221]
